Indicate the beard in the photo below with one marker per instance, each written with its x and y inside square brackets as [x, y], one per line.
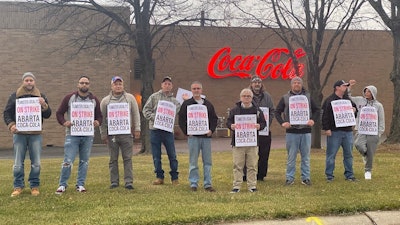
[29, 87]
[84, 89]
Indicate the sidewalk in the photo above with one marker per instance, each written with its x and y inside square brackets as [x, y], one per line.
[218, 145]
[368, 218]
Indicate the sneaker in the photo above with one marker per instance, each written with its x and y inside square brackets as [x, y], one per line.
[35, 191]
[306, 182]
[175, 182]
[193, 189]
[81, 189]
[210, 189]
[17, 191]
[129, 187]
[289, 182]
[113, 185]
[253, 190]
[368, 175]
[158, 181]
[329, 180]
[235, 190]
[351, 179]
[60, 190]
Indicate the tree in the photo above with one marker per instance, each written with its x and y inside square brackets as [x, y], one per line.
[305, 24]
[139, 25]
[391, 19]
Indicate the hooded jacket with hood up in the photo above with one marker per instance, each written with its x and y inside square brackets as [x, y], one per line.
[361, 101]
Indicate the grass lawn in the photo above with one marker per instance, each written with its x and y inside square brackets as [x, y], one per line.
[167, 204]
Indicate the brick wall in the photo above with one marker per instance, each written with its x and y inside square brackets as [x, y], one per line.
[366, 56]
[23, 49]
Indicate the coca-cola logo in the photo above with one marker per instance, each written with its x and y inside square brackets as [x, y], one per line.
[272, 64]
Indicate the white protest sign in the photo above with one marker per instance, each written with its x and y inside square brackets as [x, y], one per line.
[82, 118]
[299, 110]
[343, 113]
[265, 131]
[165, 116]
[28, 113]
[368, 121]
[183, 92]
[245, 130]
[197, 119]
[118, 118]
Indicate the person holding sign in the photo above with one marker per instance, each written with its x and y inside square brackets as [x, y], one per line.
[83, 114]
[198, 120]
[24, 113]
[296, 112]
[160, 111]
[370, 124]
[121, 113]
[245, 119]
[338, 119]
[264, 101]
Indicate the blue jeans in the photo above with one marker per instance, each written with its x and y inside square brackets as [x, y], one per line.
[73, 145]
[333, 143]
[33, 144]
[158, 137]
[197, 144]
[294, 143]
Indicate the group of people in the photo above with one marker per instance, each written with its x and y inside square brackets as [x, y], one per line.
[118, 117]
[296, 112]
[79, 112]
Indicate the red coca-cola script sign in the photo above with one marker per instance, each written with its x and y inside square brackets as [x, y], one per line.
[272, 64]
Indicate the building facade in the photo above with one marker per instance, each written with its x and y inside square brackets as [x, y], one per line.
[214, 55]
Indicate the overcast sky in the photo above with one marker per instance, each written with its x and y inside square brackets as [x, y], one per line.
[228, 15]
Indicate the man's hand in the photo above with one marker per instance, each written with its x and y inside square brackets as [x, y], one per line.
[286, 125]
[328, 133]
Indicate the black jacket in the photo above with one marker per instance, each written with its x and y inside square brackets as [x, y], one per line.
[328, 121]
[9, 111]
[212, 116]
[239, 110]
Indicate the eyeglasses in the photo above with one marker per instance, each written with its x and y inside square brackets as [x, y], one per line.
[82, 83]
[247, 96]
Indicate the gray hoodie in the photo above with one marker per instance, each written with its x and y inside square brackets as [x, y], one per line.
[361, 101]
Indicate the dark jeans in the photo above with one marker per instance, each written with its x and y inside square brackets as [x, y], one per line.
[264, 147]
[158, 137]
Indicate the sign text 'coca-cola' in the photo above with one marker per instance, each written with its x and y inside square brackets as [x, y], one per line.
[272, 64]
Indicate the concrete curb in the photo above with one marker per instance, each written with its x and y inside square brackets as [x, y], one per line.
[367, 218]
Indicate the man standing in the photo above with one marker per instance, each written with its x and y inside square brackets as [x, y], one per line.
[160, 111]
[193, 121]
[37, 106]
[299, 114]
[245, 119]
[264, 100]
[338, 119]
[83, 114]
[370, 125]
[121, 113]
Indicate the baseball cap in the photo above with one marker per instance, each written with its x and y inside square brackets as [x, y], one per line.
[340, 83]
[167, 78]
[116, 78]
